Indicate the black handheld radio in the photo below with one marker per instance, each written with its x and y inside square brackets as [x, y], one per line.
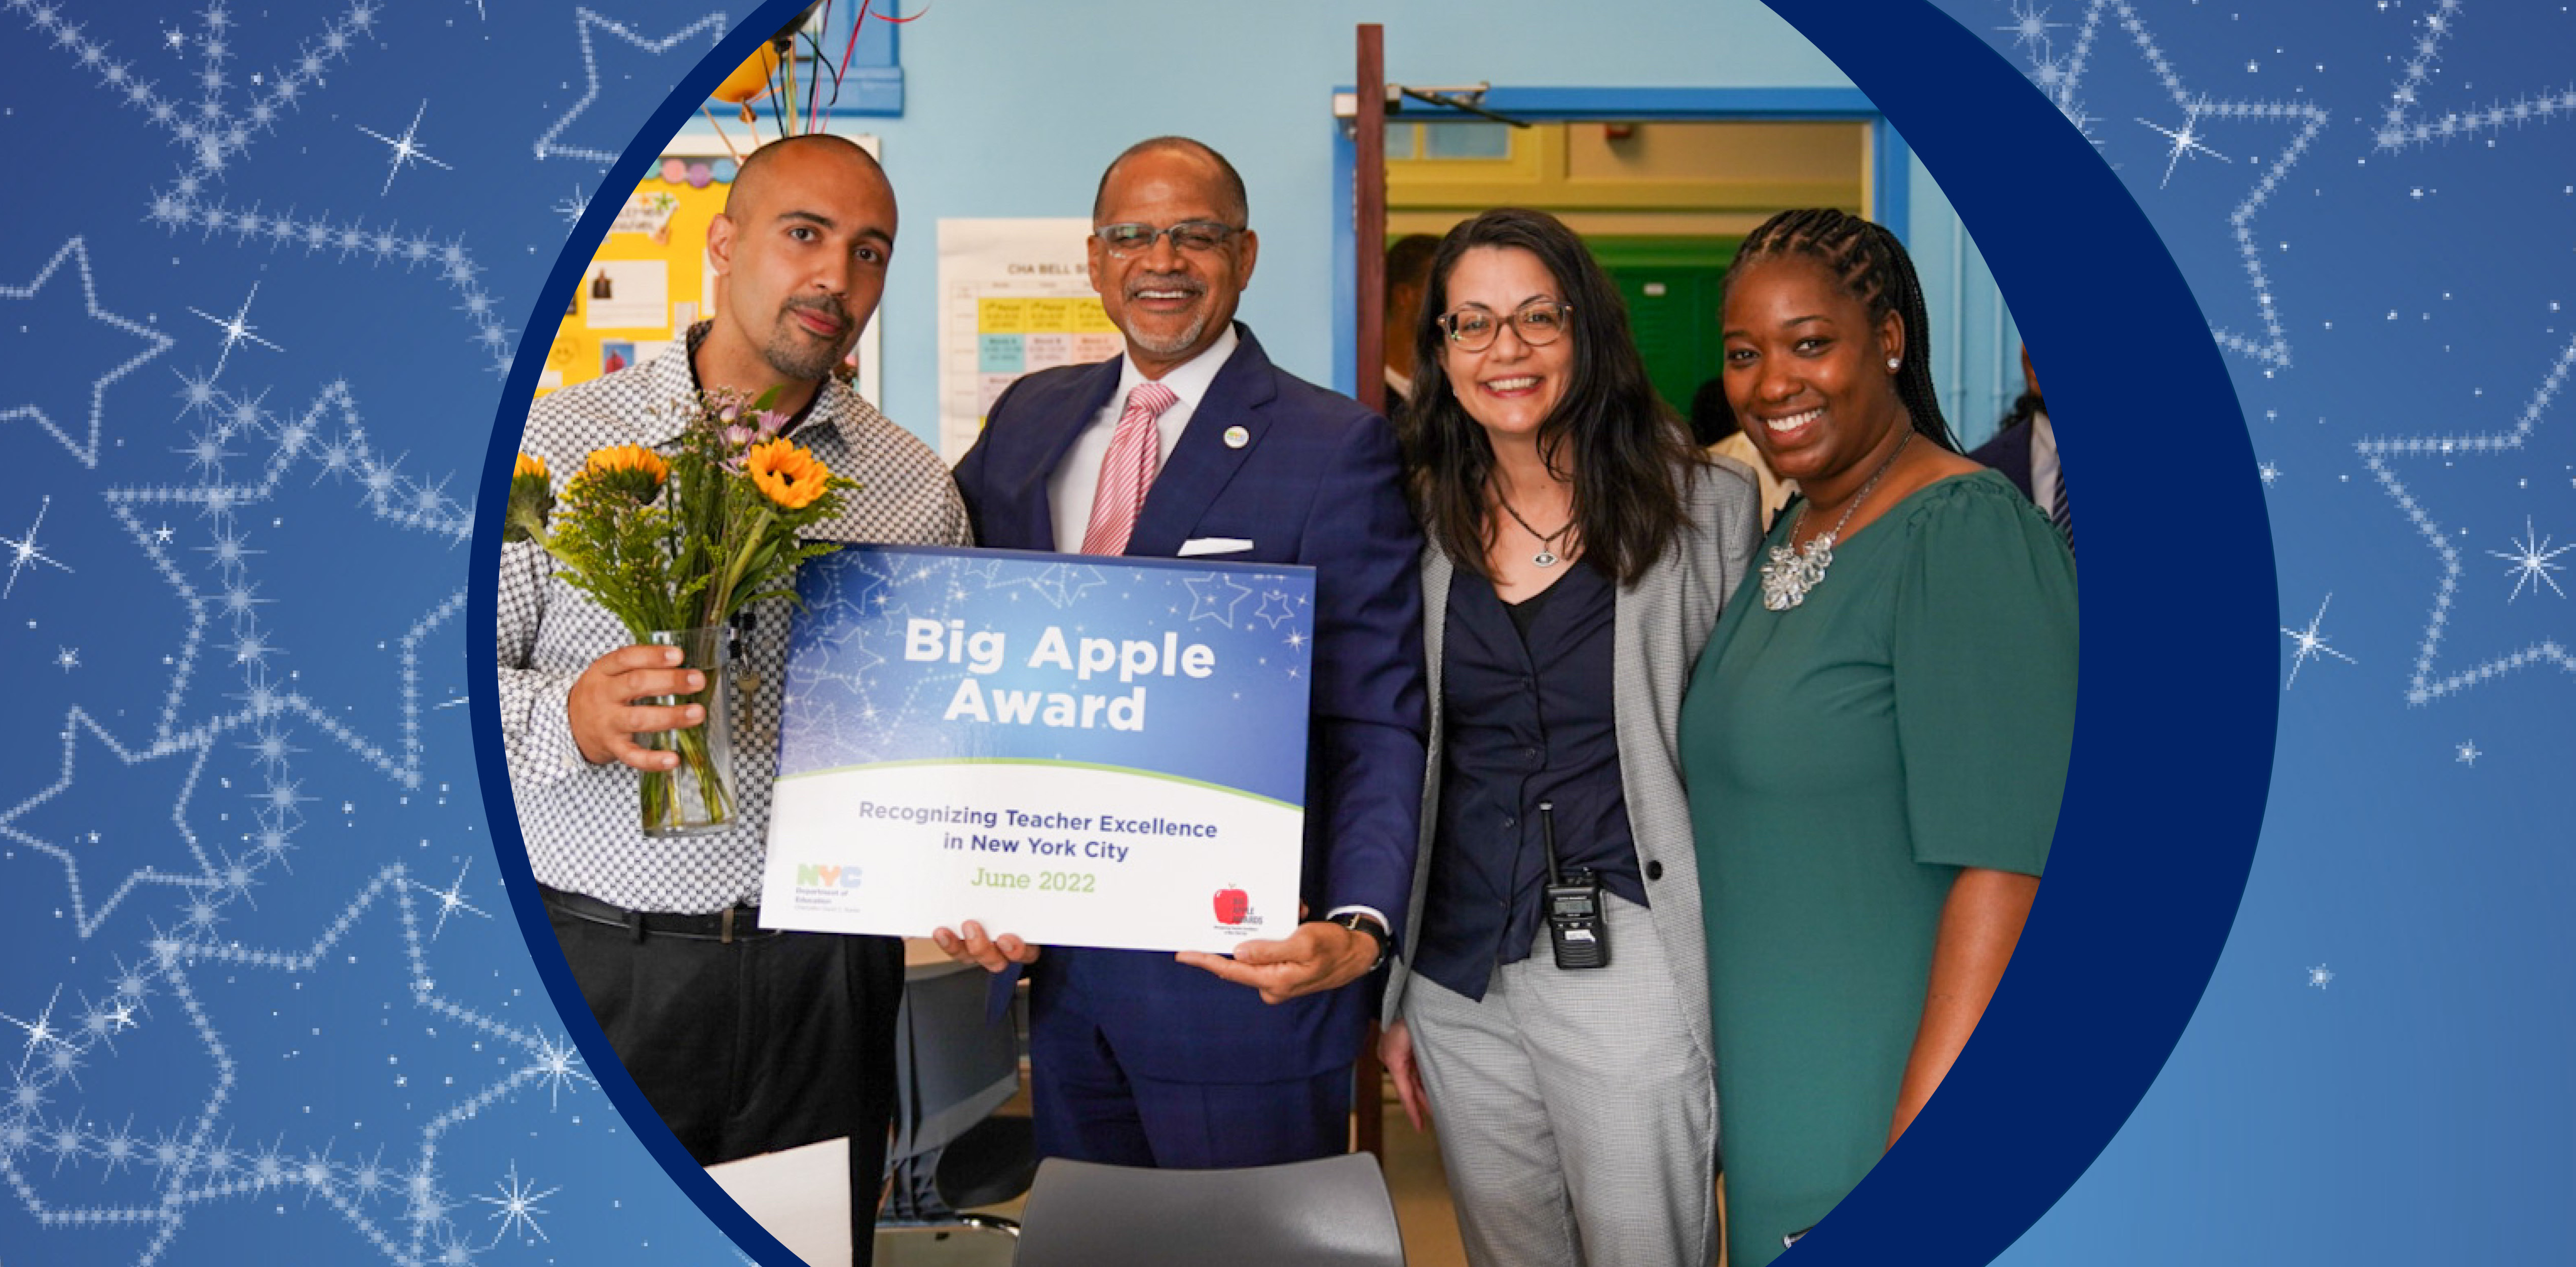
[1574, 917]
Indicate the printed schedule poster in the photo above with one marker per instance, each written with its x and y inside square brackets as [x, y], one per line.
[1015, 297]
[1081, 751]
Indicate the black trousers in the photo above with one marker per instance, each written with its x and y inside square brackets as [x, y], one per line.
[768, 1042]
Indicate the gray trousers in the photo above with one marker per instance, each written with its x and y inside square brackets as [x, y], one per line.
[1577, 1123]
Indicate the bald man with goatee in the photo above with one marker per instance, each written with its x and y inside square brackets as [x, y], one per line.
[745, 1040]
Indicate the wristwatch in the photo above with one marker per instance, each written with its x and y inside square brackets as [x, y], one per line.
[1363, 922]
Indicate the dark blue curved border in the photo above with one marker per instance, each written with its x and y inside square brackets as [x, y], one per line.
[2178, 696]
[482, 602]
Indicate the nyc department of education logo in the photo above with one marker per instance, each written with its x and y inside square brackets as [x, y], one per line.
[814, 877]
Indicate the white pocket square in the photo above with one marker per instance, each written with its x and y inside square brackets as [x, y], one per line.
[1213, 545]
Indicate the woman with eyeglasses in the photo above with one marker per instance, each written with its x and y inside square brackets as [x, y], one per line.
[1873, 786]
[1549, 1011]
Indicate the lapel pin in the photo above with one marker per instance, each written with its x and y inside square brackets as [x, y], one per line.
[1237, 437]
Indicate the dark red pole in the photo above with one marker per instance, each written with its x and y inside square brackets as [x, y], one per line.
[1368, 216]
[1368, 222]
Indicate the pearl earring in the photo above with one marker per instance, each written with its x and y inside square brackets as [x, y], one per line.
[1892, 363]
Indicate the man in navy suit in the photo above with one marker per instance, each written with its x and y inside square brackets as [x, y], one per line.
[1193, 443]
[2025, 451]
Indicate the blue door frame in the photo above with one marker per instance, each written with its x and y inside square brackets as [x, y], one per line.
[1891, 162]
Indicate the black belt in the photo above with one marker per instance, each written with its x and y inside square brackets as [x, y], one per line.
[732, 924]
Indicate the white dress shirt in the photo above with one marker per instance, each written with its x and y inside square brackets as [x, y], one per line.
[1076, 480]
[2043, 464]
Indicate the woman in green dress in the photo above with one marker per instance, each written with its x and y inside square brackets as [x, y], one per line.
[1876, 739]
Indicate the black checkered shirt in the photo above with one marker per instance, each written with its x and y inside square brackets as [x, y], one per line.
[581, 820]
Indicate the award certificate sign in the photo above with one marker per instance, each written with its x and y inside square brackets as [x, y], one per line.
[1081, 751]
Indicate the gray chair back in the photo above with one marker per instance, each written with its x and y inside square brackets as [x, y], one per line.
[952, 1069]
[1332, 1212]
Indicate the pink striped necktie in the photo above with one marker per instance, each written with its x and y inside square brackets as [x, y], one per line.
[1135, 456]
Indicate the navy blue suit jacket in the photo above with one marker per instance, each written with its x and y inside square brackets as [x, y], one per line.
[1317, 482]
[2009, 453]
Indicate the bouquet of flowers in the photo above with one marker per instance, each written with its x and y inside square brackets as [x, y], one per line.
[674, 540]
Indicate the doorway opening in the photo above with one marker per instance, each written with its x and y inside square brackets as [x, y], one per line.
[1662, 184]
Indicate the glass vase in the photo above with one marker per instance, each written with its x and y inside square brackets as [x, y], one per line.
[697, 796]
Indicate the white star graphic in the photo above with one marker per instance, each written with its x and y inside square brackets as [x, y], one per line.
[2311, 645]
[2030, 28]
[390, 495]
[85, 921]
[238, 329]
[84, 449]
[406, 148]
[2532, 560]
[2382, 455]
[2186, 143]
[23, 551]
[40, 1031]
[571, 208]
[451, 898]
[2399, 128]
[710, 28]
[2063, 80]
[517, 1206]
[559, 1063]
[1210, 599]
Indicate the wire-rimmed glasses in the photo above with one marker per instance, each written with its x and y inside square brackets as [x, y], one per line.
[1196, 237]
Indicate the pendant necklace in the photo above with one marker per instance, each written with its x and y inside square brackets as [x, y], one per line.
[1790, 574]
[1546, 556]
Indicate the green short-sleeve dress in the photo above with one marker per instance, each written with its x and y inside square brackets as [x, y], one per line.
[1845, 759]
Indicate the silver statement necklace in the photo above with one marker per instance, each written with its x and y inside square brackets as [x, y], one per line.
[1546, 556]
[1790, 574]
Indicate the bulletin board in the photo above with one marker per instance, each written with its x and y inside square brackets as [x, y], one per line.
[1015, 297]
[650, 280]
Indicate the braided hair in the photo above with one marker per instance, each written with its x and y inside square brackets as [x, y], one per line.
[1872, 267]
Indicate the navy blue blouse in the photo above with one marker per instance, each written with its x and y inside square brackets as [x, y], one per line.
[1525, 720]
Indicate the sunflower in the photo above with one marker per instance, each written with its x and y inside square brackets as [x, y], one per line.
[532, 500]
[787, 475]
[630, 469]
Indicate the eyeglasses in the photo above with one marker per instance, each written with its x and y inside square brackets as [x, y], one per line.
[1197, 237]
[1539, 322]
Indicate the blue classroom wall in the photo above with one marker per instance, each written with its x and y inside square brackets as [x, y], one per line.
[1012, 107]
[1976, 348]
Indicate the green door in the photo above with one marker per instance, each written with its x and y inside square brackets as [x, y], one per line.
[1673, 288]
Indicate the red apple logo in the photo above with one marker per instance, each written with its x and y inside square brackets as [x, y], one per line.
[1231, 904]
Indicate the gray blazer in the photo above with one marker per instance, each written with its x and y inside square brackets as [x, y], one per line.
[1663, 621]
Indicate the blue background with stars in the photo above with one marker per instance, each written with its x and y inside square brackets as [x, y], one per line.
[261, 990]
[2377, 1073]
